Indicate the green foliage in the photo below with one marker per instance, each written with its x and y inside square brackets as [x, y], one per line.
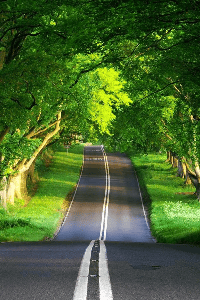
[103, 64]
[13, 148]
[13, 222]
[107, 93]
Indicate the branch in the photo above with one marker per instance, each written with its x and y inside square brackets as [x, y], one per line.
[160, 90]
[179, 43]
[3, 133]
[83, 72]
[26, 107]
[34, 134]
[60, 34]
[45, 142]
[10, 29]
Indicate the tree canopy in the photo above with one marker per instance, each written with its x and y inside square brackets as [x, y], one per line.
[126, 72]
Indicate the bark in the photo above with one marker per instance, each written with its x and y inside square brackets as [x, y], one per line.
[187, 171]
[171, 158]
[31, 173]
[168, 156]
[45, 141]
[194, 178]
[184, 166]
[196, 183]
[188, 180]
[197, 171]
[2, 58]
[17, 187]
[20, 186]
[3, 133]
[183, 170]
[10, 197]
[175, 161]
[3, 189]
[180, 171]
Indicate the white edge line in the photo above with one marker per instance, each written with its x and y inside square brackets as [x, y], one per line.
[108, 199]
[105, 288]
[143, 205]
[105, 197]
[108, 195]
[80, 292]
[104, 220]
[55, 235]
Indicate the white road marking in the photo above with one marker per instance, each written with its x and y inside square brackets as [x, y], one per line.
[57, 232]
[104, 278]
[104, 219]
[145, 216]
[105, 290]
[80, 292]
[104, 208]
[108, 199]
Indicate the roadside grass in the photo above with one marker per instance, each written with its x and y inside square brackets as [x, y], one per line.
[174, 211]
[40, 218]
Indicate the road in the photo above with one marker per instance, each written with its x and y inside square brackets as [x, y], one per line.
[104, 250]
[106, 177]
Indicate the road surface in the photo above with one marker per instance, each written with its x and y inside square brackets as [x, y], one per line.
[104, 250]
[107, 182]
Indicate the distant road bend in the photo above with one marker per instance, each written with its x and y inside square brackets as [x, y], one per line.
[107, 204]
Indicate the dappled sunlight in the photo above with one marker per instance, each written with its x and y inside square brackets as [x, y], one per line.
[158, 188]
[181, 210]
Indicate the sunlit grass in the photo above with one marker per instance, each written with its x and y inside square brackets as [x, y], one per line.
[174, 210]
[40, 218]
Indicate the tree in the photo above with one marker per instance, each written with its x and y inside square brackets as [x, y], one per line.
[63, 56]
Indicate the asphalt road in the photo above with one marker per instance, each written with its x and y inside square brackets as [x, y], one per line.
[84, 219]
[104, 250]
[125, 218]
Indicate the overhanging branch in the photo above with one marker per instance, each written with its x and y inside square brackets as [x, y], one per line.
[25, 107]
[160, 90]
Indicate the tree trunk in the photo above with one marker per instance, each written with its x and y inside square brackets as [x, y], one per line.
[175, 161]
[31, 173]
[2, 58]
[17, 186]
[180, 171]
[197, 171]
[171, 159]
[11, 191]
[168, 156]
[3, 193]
[21, 187]
[3, 133]
[186, 172]
[188, 180]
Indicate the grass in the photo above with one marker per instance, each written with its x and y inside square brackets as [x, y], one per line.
[40, 218]
[173, 209]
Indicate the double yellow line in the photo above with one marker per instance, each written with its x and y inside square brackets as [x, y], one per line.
[104, 219]
[105, 289]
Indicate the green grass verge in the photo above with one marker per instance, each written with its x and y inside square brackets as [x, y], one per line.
[174, 211]
[40, 218]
